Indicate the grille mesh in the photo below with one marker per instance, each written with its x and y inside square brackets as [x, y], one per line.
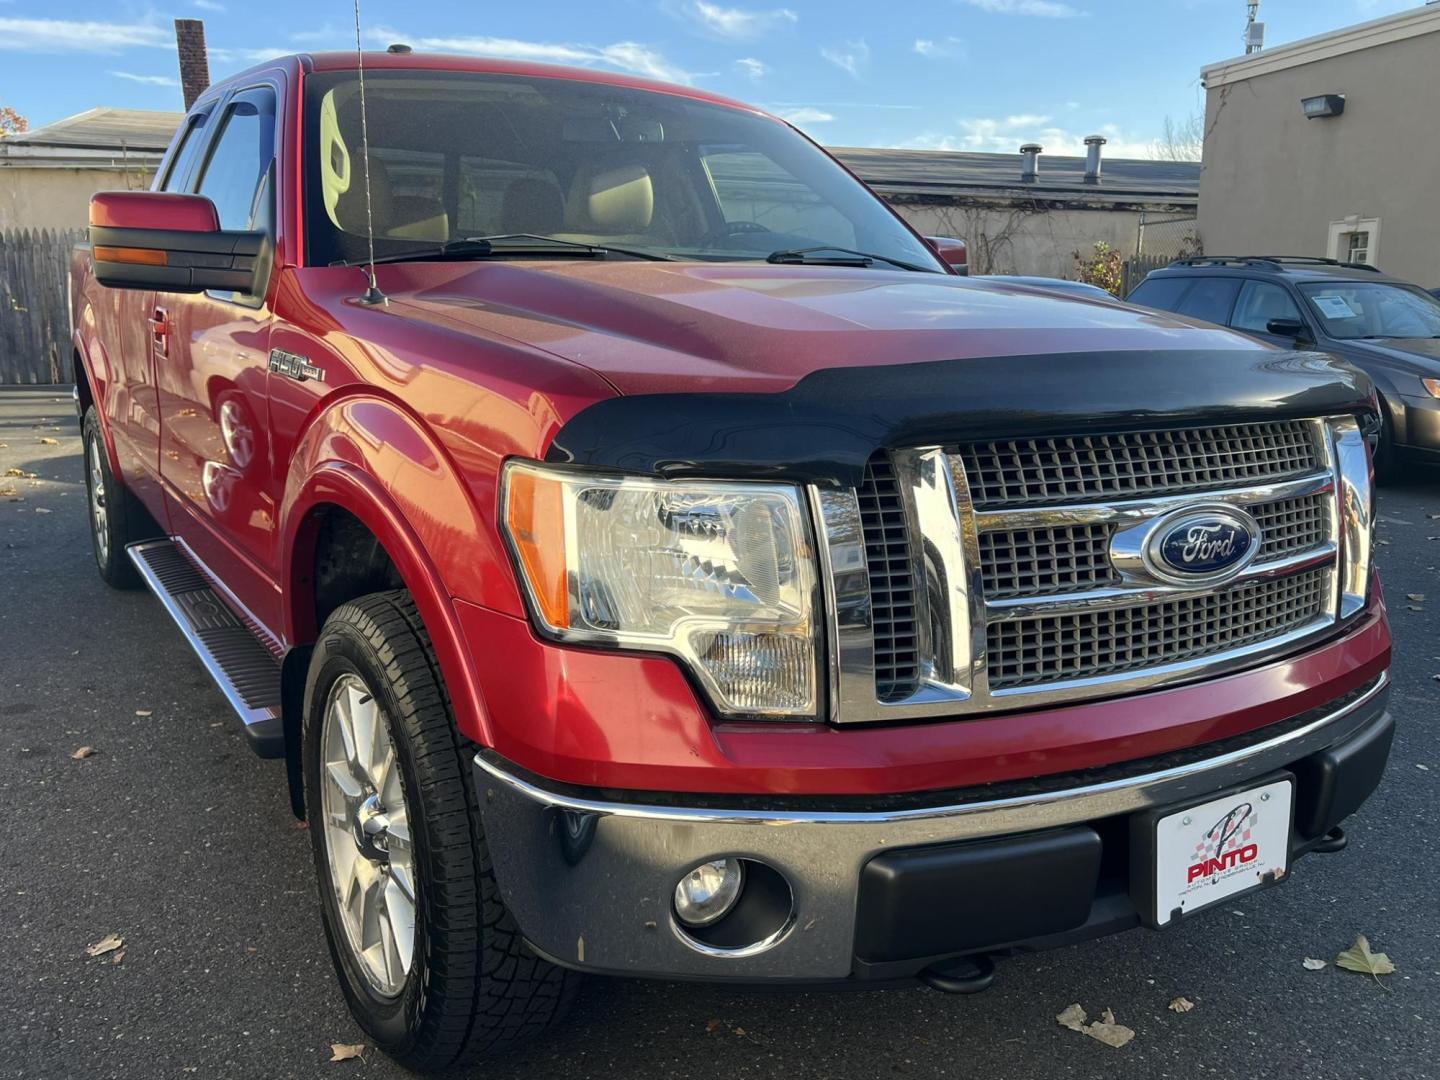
[1054, 648]
[892, 585]
[1029, 472]
[1034, 562]
[1291, 526]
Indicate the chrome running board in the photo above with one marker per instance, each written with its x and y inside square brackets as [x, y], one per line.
[244, 669]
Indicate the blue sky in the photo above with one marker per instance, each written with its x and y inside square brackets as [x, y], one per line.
[948, 74]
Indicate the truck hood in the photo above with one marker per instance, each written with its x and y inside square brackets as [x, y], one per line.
[653, 327]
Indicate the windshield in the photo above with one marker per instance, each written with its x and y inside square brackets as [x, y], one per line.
[1366, 309]
[463, 154]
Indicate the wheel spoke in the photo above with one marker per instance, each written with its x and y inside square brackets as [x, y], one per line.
[400, 915]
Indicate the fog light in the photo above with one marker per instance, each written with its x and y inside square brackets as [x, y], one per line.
[707, 893]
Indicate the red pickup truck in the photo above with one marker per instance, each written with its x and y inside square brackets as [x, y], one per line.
[666, 565]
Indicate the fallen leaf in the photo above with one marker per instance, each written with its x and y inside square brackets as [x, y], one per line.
[8, 491]
[1311, 964]
[1422, 768]
[1413, 607]
[1104, 1030]
[14, 472]
[1416, 596]
[1359, 958]
[42, 510]
[301, 824]
[144, 712]
[1181, 1005]
[740, 1031]
[109, 943]
[346, 1051]
[47, 441]
[119, 955]
[82, 753]
[712, 1026]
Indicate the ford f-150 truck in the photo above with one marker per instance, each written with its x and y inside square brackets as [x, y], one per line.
[650, 558]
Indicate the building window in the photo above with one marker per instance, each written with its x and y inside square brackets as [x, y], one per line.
[1355, 239]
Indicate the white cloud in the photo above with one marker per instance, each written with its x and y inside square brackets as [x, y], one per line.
[1045, 9]
[739, 22]
[70, 35]
[148, 80]
[806, 114]
[936, 48]
[208, 5]
[751, 67]
[853, 57]
[1004, 135]
[629, 56]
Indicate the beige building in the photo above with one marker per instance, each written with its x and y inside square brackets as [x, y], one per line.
[48, 175]
[1358, 180]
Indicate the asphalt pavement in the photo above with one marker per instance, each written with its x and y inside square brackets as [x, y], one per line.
[173, 836]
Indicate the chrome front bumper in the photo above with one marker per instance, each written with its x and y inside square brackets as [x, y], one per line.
[590, 881]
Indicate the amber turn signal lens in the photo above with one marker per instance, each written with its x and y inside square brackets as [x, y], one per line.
[1432, 385]
[140, 256]
[535, 517]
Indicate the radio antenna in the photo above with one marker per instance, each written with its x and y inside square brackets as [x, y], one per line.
[373, 295]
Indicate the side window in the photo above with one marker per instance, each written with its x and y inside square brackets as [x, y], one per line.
[235, 172]
[1261, 301]
[190, 142]
[1162, 293]
[1209, 298]
[754, 190]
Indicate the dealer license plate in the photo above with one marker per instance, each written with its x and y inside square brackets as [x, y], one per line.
[1229, 845]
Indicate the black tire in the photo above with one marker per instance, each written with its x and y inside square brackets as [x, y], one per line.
[109, 510]
[1387, 465]
[473, 987]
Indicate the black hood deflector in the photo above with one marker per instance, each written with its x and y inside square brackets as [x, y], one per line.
[827, 426]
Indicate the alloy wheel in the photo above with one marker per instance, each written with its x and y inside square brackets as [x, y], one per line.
[367, 836]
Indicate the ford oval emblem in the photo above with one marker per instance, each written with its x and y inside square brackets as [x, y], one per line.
[1204, 545]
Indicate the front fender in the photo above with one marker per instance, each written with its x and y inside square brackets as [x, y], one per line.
[368, 457]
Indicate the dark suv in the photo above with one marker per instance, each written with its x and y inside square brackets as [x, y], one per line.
[1388, 328]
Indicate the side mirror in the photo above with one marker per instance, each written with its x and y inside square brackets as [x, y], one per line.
[951, 251]
[172, 243]
[1291, 328]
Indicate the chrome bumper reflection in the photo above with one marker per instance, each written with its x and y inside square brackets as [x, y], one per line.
[590, 881]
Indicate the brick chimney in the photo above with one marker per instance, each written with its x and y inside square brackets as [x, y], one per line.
[194, 61]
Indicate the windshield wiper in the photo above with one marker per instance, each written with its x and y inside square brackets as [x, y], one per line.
[847, 257]
[484, 247]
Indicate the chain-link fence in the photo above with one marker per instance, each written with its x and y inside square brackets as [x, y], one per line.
[1159, 241]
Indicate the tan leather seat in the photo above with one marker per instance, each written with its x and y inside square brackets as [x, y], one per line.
[610, 199]
[401, 217]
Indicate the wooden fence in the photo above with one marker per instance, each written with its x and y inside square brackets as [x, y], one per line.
[1134, 269]
[34, 322]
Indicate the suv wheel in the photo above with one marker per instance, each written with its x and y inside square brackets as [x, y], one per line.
[109, 508]
[431, 963]
[1386, 466]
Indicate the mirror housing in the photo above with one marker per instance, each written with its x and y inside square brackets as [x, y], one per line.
[951, 251]
[1287, 327]
[172, 243]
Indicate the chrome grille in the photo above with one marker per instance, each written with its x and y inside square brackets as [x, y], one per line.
[1083, 468]
[1033, 562]
[1005, 575]
[892, 584]
[1086, 645]
[1290, 526]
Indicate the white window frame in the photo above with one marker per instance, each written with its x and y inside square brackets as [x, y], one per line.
[1336, 248]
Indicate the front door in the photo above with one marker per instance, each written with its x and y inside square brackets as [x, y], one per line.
[215, 456]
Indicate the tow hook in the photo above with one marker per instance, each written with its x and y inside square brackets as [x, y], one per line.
[966, 975]
[1333, 841]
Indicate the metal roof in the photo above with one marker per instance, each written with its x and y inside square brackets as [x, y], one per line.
[944, 172]
[101, 138]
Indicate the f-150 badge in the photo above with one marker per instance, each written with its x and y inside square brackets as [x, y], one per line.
[294, 366]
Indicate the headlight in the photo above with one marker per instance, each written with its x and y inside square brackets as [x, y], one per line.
[720, 574]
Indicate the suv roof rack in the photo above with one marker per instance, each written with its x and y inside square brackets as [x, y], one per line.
[1274, 260]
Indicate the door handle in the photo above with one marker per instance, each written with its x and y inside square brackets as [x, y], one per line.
[159, 321]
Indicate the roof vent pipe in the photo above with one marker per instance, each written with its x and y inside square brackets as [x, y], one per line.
[1030, 162]
[1092, 157]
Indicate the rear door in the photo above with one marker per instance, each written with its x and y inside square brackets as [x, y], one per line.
[132, 337]
[215, 459]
